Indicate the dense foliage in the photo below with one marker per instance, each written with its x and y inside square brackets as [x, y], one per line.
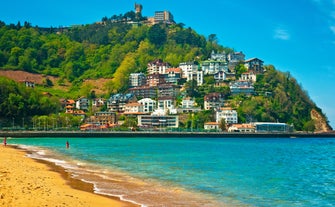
[280, 99]
[98, 50]
[19, 103]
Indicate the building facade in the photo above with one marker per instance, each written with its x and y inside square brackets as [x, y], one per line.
[213, 101]
[148, 105]
[227, 114]
[137, 79]
[158, 122]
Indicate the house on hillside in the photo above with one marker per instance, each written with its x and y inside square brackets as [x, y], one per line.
[188, 105]
[149, 105]
[117, 102]
[248, 76]
[242, 87]
[213, 101]
[191, 71]
[144, 91]
[98, 102]
[133, 108]
[82, 104]
[173, 75]
[216, 63]
[137, 79]
[254, 64]
[70, 106]
[166, 104]
[155, 79]
[168, 90]
[157, 67]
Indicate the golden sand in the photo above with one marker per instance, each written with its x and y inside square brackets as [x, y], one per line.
[24, 182]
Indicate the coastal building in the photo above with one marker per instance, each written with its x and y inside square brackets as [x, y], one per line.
[272, 127]
[228, 114]
[243, 128]
[166, 104]
[236, 57]
[255, 65]
[213, 101]
[158, 122]
[137, 79]
[212, 126]
[148, 105]
[188, 69]
[104, 118]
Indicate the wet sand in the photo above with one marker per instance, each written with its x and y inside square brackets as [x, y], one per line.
[27, 182]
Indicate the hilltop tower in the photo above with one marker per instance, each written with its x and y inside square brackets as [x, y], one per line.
[138, 8]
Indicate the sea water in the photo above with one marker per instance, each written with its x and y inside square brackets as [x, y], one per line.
[199, 171]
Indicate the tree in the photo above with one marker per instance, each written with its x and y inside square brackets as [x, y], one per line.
[157, 35]
[223, 125]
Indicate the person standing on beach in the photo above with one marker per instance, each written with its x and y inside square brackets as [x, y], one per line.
[67, 144]
[5, 141]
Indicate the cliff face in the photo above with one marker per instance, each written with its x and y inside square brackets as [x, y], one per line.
[321, 124]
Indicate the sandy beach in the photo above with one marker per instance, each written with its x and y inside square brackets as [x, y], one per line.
[25, 182]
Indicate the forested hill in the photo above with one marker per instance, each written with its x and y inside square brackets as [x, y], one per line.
[114, 49]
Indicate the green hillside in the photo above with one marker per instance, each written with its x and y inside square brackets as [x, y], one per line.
[114, 49]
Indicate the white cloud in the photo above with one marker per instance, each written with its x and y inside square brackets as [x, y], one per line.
[281, 34]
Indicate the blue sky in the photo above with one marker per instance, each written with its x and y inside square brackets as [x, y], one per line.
[296, 36]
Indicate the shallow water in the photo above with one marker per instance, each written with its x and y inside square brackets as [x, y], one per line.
[199, 171]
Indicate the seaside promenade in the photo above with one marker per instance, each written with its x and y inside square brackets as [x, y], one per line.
[125, 134]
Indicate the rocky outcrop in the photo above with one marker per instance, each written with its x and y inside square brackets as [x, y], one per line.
[321, 124]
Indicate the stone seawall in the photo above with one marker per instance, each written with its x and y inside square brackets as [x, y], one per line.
[158, 134]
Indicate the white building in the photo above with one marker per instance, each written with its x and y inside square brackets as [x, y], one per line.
[158, 122]
[228, 114]
[148, 104]
[137, 79]
[190, 71]
[212, 126]
[134, 107]
[248, 76]
[82, 103]
[157, 66]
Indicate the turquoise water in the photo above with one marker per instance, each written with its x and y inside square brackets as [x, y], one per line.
[199, 171]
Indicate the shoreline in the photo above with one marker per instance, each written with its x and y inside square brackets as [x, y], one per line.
[27, 181]
[106, 134]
